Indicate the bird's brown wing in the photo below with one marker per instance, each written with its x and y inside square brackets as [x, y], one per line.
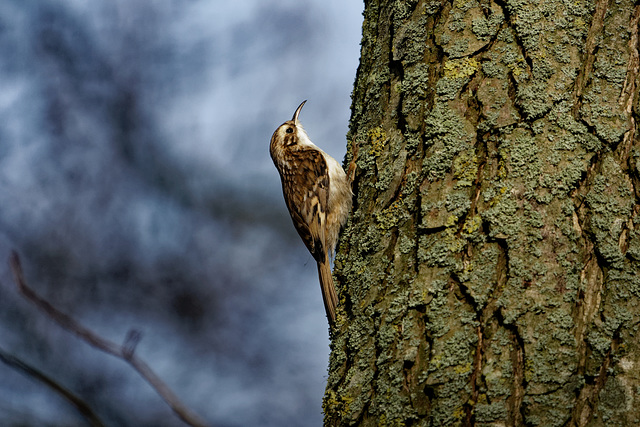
[305, 181]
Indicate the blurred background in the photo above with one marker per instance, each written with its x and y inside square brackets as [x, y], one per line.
[137, 187]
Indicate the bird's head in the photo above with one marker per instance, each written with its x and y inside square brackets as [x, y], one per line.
[290, 134]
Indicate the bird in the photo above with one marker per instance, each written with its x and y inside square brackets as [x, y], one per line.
[318, 196]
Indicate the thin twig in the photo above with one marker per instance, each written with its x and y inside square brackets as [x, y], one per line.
[124, 352]
[32, 372]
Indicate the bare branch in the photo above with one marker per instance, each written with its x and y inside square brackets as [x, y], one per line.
[32, 372]
[130, 342]
[125, 352]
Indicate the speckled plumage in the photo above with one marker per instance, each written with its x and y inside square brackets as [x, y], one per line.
[318, 196]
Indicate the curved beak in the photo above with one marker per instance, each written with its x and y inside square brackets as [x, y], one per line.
[295, 115]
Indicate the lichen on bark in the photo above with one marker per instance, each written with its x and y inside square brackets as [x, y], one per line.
[488, 274]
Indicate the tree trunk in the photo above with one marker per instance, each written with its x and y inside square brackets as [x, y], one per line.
[489, 272]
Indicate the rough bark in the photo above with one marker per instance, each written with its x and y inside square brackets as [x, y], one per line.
[489, 273]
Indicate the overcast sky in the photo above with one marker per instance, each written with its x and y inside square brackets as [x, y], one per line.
[136, 184]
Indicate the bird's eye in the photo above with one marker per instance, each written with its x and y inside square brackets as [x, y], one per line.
[289, 130]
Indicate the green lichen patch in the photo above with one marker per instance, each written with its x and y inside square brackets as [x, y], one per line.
[502, 217]
[457, 73]
[497, 107]
[486, 28]
[533, 99]
[480, 274]
[460, 68]
[486, 413]
[415, 84]
[377, 139]
[465, 169]
[391, 216]
[470, 26]
[612, 207]
[409, 39]
[439, 200]
[448, 133]
[449, 373]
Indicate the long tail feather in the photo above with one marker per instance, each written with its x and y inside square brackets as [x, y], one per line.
[329, 295]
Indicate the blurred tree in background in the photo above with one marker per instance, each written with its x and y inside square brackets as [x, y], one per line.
[137, 188]
[489, 271]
